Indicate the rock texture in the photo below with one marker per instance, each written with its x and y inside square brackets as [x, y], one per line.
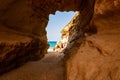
[21, 38]
[28, 19]
[98, 57]
[48, 68]
[16, 49]
[67, 32]
[92, 51]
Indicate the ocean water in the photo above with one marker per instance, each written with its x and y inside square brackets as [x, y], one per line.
[52, 44]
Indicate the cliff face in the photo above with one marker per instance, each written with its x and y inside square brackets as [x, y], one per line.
[98, 56]
[67, 33]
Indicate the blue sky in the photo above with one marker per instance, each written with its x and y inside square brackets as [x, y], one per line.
[56, 23]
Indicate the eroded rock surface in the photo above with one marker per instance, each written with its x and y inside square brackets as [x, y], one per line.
[16, 49]
[92, 52]
[28, 19]
[21, 38]
[48, 68]
[98, 56]
[67, 32]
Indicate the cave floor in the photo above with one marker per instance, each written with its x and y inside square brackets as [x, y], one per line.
[49, 68]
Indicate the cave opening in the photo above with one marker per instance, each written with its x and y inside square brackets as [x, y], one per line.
[54, 29]
[32, 24]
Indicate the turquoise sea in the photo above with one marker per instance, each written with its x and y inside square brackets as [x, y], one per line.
[52, 44]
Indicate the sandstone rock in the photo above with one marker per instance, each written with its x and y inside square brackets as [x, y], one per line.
[58, 47]
[22, 35]
[98, 56]
[92, 51]
[67, 33]
[28, 19]
[16, 49]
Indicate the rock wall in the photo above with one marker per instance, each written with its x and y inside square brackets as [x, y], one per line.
[16, 49]
[98, 56]
[27, 19]
[67, 33]
[92, 52]
[21, 38]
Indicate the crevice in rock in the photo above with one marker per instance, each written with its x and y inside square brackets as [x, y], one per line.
[32, 18]
[100, 50]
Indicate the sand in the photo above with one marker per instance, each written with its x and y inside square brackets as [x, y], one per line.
[49, 68]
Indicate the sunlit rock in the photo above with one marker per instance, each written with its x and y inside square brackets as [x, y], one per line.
[91, 47]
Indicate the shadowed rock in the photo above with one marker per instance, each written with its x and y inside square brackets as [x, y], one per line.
[29, 18]
[92, 51]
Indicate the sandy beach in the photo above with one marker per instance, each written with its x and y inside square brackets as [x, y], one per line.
[49, 68]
